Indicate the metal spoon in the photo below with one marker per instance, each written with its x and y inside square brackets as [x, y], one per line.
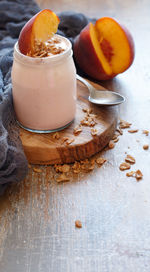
[102, 97]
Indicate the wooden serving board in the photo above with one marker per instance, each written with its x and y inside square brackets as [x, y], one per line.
[44, 149]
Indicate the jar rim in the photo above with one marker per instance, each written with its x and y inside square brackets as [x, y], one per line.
[43, 60]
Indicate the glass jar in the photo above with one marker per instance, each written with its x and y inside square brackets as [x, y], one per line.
[44, 90]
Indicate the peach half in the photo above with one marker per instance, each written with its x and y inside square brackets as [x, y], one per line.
[40, 28]
[105, 49]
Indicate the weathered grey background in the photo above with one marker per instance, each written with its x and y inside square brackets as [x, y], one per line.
[37, 232]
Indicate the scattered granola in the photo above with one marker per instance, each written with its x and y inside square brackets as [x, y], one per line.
[100, 161]
[65, 168]
[90, 167]
[78, 224]
[89, 119]
[77, 130]
[130, 174]
[62, 177]
[64, 139]
[133, 130]
[146, 147]
[94, 131]
[92, 161]
[37, 170]
[115, 136]
[138, 174]
[87, 166]
[42, 49]
[56, 135]
[76, 167]
[124, 166]
[130, 159]
[87, 110]
[62, 168]
[111, 144]
[120, 131]
[116, 140]
[69, 141]
[124, 124]
[146, 132]
[84, 161]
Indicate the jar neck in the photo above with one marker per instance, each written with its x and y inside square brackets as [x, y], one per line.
[37, 61]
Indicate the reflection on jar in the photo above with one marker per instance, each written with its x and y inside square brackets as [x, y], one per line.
[44, 90]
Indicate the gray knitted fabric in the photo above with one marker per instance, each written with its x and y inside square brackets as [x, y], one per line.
[13, 164]
[13, 15]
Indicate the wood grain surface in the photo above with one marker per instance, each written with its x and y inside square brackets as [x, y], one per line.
[46, 149]
[37, 215]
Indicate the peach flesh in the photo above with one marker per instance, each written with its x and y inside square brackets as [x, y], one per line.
[120, 42]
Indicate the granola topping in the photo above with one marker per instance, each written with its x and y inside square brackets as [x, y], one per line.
[52, 47]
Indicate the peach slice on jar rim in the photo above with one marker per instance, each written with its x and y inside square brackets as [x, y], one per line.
[40, 27]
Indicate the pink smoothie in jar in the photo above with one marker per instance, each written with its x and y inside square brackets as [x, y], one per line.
[44, 89]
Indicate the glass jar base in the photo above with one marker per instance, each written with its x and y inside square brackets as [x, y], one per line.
[44, 131]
